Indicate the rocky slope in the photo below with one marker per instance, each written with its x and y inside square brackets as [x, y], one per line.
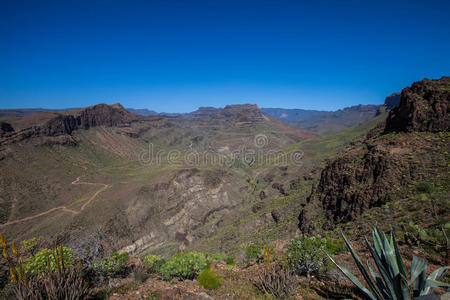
[423, 107]
[381, 167]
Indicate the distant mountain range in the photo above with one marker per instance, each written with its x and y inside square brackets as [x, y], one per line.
[315, 121]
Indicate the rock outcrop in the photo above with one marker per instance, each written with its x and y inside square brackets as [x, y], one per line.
[5, 128]
[97, 115]
[66, 123]
[392, 101]
[370, 173]
[425, 106]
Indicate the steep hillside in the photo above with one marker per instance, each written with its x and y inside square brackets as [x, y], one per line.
[393, 164]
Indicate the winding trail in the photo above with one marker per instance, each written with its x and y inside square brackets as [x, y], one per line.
[63, 208]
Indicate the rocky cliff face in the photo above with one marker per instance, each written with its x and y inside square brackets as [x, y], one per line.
[179, 208]
[392, 101]
[423, 107]
[66, 123]
[97, 115]
[378, 169]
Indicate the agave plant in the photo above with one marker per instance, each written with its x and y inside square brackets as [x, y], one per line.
[391, 281]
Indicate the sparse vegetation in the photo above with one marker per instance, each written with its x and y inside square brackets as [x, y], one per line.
[277, 280]
[140, 274]
[253, 252]
[425, 187]
[115, 265]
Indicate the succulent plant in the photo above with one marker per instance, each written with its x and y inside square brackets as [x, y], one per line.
[391, 281]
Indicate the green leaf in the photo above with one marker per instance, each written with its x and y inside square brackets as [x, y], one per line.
[378, 280]
[401, 287]
[390, 257]
[400, 263]
[362, 269]
[431, 284]
[433, 281]
[377, 242]
[384, 273]
[438, 273]
[418, 273]
[353, 279]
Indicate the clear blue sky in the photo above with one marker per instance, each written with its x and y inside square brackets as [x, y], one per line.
[175, 56]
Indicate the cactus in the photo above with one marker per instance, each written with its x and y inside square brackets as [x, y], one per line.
[391, 282]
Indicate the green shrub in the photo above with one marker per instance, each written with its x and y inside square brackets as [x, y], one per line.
[112, 265]
[153, 263]
[219, 256]
[253, 252]
[230, 260]
[306, 256]
[424, 187]
[29, 246]
[45, 260]
[184, 265]
[209, 279]
[334, 246]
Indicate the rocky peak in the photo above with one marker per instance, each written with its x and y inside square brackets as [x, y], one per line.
[423, 107]
[392, 101]
[243, 112]
[103, 114]
[204, 111]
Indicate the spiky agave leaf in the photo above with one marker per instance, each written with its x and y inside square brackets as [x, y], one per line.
[382, 269]
[418, 274]
[390, 257]
[433, 281]
[355, 281]
[391, 281]
[400, 262]
[401, 287]
[362, 269]
[378, 280]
